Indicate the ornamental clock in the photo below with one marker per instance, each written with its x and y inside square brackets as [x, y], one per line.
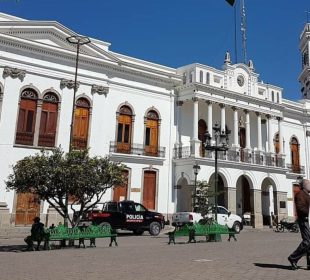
[240, 80]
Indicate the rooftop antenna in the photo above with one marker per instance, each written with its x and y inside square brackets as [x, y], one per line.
[243, 29]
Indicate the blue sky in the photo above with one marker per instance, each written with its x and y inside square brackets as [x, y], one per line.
[179, 32]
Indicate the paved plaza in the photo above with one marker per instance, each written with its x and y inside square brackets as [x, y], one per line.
[256, 255]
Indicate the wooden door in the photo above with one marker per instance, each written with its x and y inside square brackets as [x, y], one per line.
[124, 134]
[48, 124]
[202, 129]
[80, 128]
[276, 148]
[242, 142]
[26, 122]
[295, 156]
[27, 208]
[120, 192]
[151, 137]
[149, 189]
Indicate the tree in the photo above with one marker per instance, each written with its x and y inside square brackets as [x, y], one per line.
[55, 177]
[204, 200]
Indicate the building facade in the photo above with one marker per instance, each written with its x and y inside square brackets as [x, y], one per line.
[152, 118]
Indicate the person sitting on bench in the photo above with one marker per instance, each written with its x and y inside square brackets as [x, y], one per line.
[37, 234]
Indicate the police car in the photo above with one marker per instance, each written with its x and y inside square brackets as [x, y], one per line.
[127, 215]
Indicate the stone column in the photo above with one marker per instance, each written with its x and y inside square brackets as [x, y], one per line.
[270, 138]
[195, 141]
[210, 119]
[256, 202]
[5, 216]
[236, 136]
[280, 135]
[231, 200]
[223, 118]
[281, 198]
[179, 132]
[247, 130]
[38, 122]
[195, 118]
[259, 131]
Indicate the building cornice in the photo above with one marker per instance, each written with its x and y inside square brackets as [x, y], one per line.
[194, 88]
[90, 61]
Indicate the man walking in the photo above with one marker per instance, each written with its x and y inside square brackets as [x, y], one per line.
[302, 202]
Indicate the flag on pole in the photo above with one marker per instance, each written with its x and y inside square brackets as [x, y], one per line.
[230, 2]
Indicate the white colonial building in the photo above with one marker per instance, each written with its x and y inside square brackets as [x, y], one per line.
[153, 119]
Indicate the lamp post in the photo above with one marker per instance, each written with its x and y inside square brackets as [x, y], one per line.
[196, 168]
[219, 145]
[78, 41]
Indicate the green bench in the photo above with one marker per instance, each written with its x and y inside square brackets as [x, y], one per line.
[212, 232]
[61, 233]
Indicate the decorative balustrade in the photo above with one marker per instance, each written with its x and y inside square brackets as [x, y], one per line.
[298, 169]
[242, 156]
[182, 152]
[137, 149]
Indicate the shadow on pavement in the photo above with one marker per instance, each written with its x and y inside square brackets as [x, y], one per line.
[14, 248]
[272, 265]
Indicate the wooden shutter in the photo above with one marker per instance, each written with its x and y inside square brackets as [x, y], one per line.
[151, 137]
[295, 156]
[124, 133]
[48, 124]
[80, 128]
[26, 121]
[149, 189]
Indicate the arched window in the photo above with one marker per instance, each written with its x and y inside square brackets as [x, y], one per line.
[201, 77]
[295, 155]
[26, 117]
[48, 122]
[81, 124]
[208, 78]
[151, 134]
[124, 130]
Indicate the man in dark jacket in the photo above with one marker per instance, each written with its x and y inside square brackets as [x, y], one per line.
[302, 203]
[37, 234]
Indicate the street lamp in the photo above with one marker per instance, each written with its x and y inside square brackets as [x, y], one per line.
[219, 145]
[78, 41]
[196, 168]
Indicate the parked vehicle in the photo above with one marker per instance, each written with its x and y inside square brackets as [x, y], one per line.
[224, 217]
[127, 215]
[285, 224]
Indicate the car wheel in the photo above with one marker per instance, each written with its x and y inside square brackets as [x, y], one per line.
[237, 227]
[138, 232]
[155, 228]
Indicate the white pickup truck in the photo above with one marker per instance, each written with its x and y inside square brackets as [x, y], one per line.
[224, 217]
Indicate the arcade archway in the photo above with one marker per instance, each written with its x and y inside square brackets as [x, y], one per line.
[184, 196]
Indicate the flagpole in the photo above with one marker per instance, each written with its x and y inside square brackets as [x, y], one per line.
[243, 29]
[235, 18]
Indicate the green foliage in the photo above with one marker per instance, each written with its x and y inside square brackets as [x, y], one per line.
[204, 200]
[55, 176]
